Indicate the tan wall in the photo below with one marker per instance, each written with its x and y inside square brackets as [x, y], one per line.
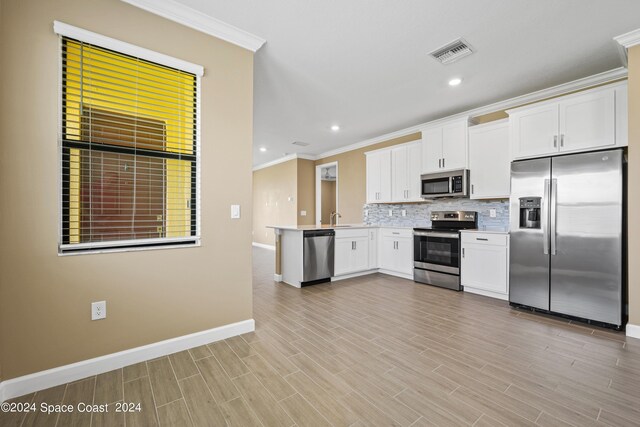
[634, 184]
[352, 185]
[306, 191]
[151, 295]
[272, 188]
[328, 194]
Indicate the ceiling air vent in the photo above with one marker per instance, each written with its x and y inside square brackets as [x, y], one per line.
[300, 143]
[452, 51]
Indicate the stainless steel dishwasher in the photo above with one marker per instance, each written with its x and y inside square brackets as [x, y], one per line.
[318, 253]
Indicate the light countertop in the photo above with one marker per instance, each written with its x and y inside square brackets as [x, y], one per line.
[326, 227]
[489, 231]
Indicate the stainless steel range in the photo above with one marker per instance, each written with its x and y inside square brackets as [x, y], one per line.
[436, 250]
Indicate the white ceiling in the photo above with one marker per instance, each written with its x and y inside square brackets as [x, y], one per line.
[363, 64]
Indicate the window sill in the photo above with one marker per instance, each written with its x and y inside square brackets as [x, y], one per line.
[73, 250]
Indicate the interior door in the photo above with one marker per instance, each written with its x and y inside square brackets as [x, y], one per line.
[586, 270]
[529, 255]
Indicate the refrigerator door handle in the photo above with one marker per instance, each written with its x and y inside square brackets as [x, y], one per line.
[554, 206]
[545, 218]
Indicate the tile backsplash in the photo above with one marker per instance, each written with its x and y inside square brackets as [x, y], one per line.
[419, 214]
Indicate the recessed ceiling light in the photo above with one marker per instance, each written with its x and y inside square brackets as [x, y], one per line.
[263, 149]
[455, 82]
[335, 128]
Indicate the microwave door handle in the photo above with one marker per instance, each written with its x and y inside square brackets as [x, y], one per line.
[450, 184]
[545, 218]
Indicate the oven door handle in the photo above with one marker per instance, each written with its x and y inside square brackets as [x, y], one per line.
[436, 234]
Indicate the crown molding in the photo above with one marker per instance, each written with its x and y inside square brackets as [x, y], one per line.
[187, 16]
[562, 89]
[629, 39]
[626, 41]
[584, 83]
[286, 158]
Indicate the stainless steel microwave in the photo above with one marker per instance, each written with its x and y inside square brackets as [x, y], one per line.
[445, 184]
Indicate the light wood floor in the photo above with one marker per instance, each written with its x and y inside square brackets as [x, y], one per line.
[375, 350]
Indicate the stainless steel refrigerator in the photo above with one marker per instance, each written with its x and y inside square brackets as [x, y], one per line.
[567, 241]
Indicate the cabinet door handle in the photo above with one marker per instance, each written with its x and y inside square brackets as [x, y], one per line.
[472, 189]
[439, 163]
[443, 159]
[482, 238]
[352, 245]
[562, 140]
[462, 252]
[555, 141]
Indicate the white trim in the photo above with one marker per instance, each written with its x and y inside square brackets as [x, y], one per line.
[485, 293]
[192, 18]
[625, 41]
[263, 246]
[629, 39]
[396, 274]
[562, 89]
[351, 275]
[277, 277]
[75, 371]
[86, 36]
[284, 159]
[319, 189]
[632, 331]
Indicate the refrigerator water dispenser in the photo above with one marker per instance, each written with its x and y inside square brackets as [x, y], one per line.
[530, 212]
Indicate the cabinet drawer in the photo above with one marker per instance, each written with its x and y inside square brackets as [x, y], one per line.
[342, 233]
[485, 238]
[397, 232]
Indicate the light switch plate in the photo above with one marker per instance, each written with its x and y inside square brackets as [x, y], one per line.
[235, 211]
[492, 213]
[366, 212]
[390, 212]
[303, 213]
[404, 212]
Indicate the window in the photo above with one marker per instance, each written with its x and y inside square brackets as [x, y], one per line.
[130, 157]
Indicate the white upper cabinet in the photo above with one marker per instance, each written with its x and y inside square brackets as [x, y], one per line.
[444, 146]
[379, 176]
[489, 160]
[406, 167]
[588, 121]
[584, 121]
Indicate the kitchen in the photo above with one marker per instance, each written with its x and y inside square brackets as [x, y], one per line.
[477, 217]
[332, 213]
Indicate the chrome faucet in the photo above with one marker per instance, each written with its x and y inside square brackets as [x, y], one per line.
[334, 216]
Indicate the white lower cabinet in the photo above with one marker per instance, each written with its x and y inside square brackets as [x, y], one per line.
[373, 248]
[351, 251]
[396, 250]
[484, 267]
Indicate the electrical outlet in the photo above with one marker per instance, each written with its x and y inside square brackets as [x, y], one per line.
[492, 213]
[98, 310]
[366, 212]
[390, 212]
[404, 212]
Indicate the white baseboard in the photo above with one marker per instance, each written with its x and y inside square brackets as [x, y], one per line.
[491, 294]
[396, 274]
[263, 246]
[349, 276]
[632, 331]
[61, 375]
[277, 277]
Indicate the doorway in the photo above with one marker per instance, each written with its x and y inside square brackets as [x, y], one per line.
[326, 192]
